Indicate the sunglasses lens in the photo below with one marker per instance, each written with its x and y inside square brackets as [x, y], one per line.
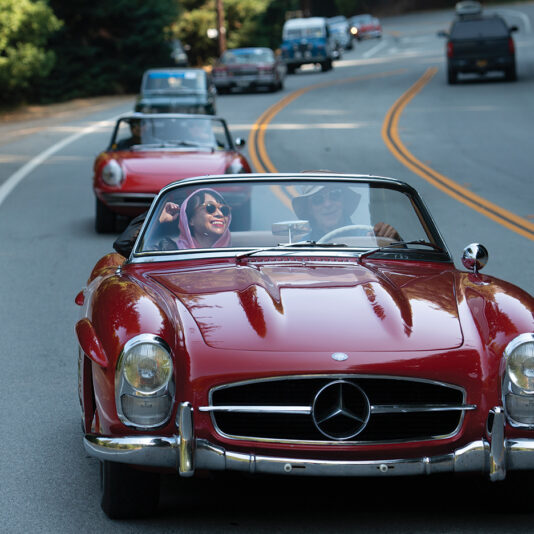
[211, 208]
[334, 196]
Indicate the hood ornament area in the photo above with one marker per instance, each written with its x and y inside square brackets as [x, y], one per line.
[341, 410]
[339, 356]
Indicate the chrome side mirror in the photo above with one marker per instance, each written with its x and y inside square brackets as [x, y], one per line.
[291, 229]
[239, 142]
[475, 257]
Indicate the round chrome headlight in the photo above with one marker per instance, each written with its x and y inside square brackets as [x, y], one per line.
[147, 367]
[520, 362]
[112, 173]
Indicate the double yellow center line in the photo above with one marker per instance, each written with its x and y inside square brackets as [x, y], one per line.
[390, 135]
[262, 162]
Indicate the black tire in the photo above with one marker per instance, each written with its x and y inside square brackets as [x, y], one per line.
[241, 217]
[128, 493]
[326, 65]
[291, 69]
[105, 219]
[452, 76]
[511, 74]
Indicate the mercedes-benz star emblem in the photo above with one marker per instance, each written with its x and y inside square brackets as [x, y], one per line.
[340, 410]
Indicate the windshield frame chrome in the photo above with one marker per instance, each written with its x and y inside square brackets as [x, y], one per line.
[208, 181]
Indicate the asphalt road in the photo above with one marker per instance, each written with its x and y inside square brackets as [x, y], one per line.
[476, 134]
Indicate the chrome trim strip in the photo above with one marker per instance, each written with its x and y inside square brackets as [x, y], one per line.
[301, 410]
[407, 408]
[186, 461]
[334, 377]
[497, 467]
[163, 452]
[306, 410]
[138, 450]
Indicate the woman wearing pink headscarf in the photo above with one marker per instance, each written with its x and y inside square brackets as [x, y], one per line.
[204, 220]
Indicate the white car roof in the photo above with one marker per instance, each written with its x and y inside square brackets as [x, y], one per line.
[304, 23]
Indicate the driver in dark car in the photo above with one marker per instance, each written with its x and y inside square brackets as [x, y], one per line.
[328, 208]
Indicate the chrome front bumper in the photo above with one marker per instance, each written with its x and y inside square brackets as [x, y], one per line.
[186, 454]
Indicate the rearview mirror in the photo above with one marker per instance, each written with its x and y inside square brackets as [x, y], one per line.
[291, 229]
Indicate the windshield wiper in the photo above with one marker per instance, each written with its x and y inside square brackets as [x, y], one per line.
[400, 244]
[298, 244]
[171, 144]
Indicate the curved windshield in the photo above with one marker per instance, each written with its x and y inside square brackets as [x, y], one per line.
[301, 213]
[160, 132]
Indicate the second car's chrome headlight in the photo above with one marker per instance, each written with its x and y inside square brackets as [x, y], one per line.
[144, 385]
[112, 173]
[518, 380]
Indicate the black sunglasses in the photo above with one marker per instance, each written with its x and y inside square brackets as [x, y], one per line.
[334, 195]
[211, 208]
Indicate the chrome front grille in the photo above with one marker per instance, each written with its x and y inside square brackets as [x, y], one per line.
[287, 409]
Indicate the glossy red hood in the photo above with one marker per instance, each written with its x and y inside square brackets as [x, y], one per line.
[175, 164]
[320, 307]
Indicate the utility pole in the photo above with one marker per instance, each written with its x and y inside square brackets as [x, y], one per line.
[305, 6]
[221, 30]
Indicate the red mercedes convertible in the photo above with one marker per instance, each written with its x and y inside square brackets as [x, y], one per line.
[148, 151]
[333, 337]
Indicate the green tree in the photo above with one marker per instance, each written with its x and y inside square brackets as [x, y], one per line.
[25, 27]
[104, 47]
[244, 23]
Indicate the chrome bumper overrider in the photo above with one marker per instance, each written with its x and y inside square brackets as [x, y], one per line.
[186, 454]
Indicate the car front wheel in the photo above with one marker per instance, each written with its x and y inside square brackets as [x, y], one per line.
[104, 218]
[326, 65]
[128, 493]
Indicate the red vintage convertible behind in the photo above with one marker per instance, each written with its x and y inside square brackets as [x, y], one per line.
[148, 151]
[334, 337]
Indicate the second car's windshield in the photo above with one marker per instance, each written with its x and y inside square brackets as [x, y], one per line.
[267, 214]
[168, 132]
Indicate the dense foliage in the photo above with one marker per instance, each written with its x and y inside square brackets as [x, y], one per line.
[104, 47]
[25, 27]
[54, 50]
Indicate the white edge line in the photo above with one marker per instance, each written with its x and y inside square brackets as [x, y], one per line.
[19, 175]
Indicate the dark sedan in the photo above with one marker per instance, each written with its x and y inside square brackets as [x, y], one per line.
[480, 44]
[249, 68]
